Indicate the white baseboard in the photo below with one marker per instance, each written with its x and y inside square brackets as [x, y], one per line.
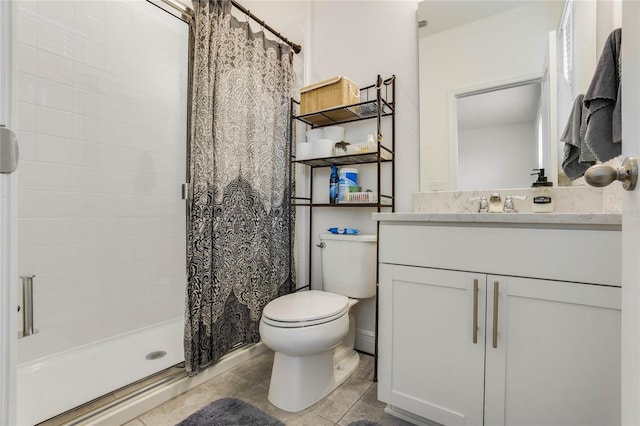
[133, 408]
[365, 341]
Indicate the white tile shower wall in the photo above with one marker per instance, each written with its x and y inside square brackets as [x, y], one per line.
[101, 107]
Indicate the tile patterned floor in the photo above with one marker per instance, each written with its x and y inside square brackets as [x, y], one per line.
[354, 400]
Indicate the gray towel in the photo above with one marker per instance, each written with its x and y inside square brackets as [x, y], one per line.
[603, 102]
[577, 155]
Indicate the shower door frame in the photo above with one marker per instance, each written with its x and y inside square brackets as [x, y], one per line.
[8, 242]
[8, 212]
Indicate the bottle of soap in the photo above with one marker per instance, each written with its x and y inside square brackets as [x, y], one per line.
[334, 180]
[542, 193]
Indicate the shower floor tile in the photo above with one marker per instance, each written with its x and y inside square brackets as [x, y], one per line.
[354, 400]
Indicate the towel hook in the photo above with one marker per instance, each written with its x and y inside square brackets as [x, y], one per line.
[602, 175]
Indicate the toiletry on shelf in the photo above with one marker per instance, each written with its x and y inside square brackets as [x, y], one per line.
[314, 134]
[323, 148]
[304, 150]
[334, 181]
[542, 193]
[348, 182]
[348, 231]
[360, 197]
[341, 148]
[370, 146]
[334, 133]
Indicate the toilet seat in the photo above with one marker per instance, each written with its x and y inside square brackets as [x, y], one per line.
[304, 309]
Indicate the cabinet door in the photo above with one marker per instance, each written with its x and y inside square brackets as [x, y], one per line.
[556, 358]
[429, 364]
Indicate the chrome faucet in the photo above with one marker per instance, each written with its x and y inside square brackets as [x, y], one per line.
[508, 203]
[484, 204]
[495, 203]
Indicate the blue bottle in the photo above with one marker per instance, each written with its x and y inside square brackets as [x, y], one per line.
[333, 185]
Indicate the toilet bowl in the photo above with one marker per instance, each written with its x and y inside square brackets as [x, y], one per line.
[313, 332]
[306, 340]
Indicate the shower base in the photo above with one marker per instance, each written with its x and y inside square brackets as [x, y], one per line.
[57, 383]
[90, 410]
[134, 399]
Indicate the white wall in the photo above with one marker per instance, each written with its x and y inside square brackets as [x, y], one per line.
[358, 39]
[361, 39]
[593, 22]
[483, 169]
[287, 17]
[504, 47]
[100, 102]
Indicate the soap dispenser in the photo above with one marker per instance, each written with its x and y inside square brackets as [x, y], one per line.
[542, 193]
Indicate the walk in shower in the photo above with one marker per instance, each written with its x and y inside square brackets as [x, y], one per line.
[100, 109]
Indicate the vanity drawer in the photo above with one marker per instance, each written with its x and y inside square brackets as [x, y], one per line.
[578, 255]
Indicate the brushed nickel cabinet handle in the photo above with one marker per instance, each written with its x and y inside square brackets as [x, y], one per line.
[496, 292]
[27, 302]
[475, 310]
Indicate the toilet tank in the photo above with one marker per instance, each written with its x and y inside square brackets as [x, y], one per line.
[349, 264]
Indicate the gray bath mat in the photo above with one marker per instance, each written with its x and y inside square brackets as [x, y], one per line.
[364, 423]
[230, 412]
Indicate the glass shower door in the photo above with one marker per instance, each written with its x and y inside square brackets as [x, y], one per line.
[100, 101]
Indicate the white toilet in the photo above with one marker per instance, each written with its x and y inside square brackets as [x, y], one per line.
[313, 332]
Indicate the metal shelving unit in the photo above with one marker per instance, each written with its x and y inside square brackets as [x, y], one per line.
[377, 102]
[356, 112]
[346, 160]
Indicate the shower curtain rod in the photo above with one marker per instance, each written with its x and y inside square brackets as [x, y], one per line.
[296, 47]
[188, 13]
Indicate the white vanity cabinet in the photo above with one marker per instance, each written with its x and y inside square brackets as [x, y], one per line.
[428, 364]
[474, 328]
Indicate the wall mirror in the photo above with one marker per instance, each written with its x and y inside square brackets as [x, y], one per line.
[470, 48]
[499, 136]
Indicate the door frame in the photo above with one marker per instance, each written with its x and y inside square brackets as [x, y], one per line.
[630, 340]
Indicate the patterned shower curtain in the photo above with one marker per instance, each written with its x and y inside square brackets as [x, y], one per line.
[240, 227]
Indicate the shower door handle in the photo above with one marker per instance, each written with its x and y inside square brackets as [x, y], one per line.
[27, 306]
[8, 151]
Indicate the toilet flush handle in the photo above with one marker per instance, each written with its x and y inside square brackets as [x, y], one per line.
[321, 245]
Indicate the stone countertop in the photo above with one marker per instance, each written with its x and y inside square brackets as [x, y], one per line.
[612, 221]
[566, 200]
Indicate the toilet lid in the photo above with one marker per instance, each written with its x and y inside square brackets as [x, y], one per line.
[306, 306]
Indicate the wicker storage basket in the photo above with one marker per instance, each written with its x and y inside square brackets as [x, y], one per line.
[335, 92]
